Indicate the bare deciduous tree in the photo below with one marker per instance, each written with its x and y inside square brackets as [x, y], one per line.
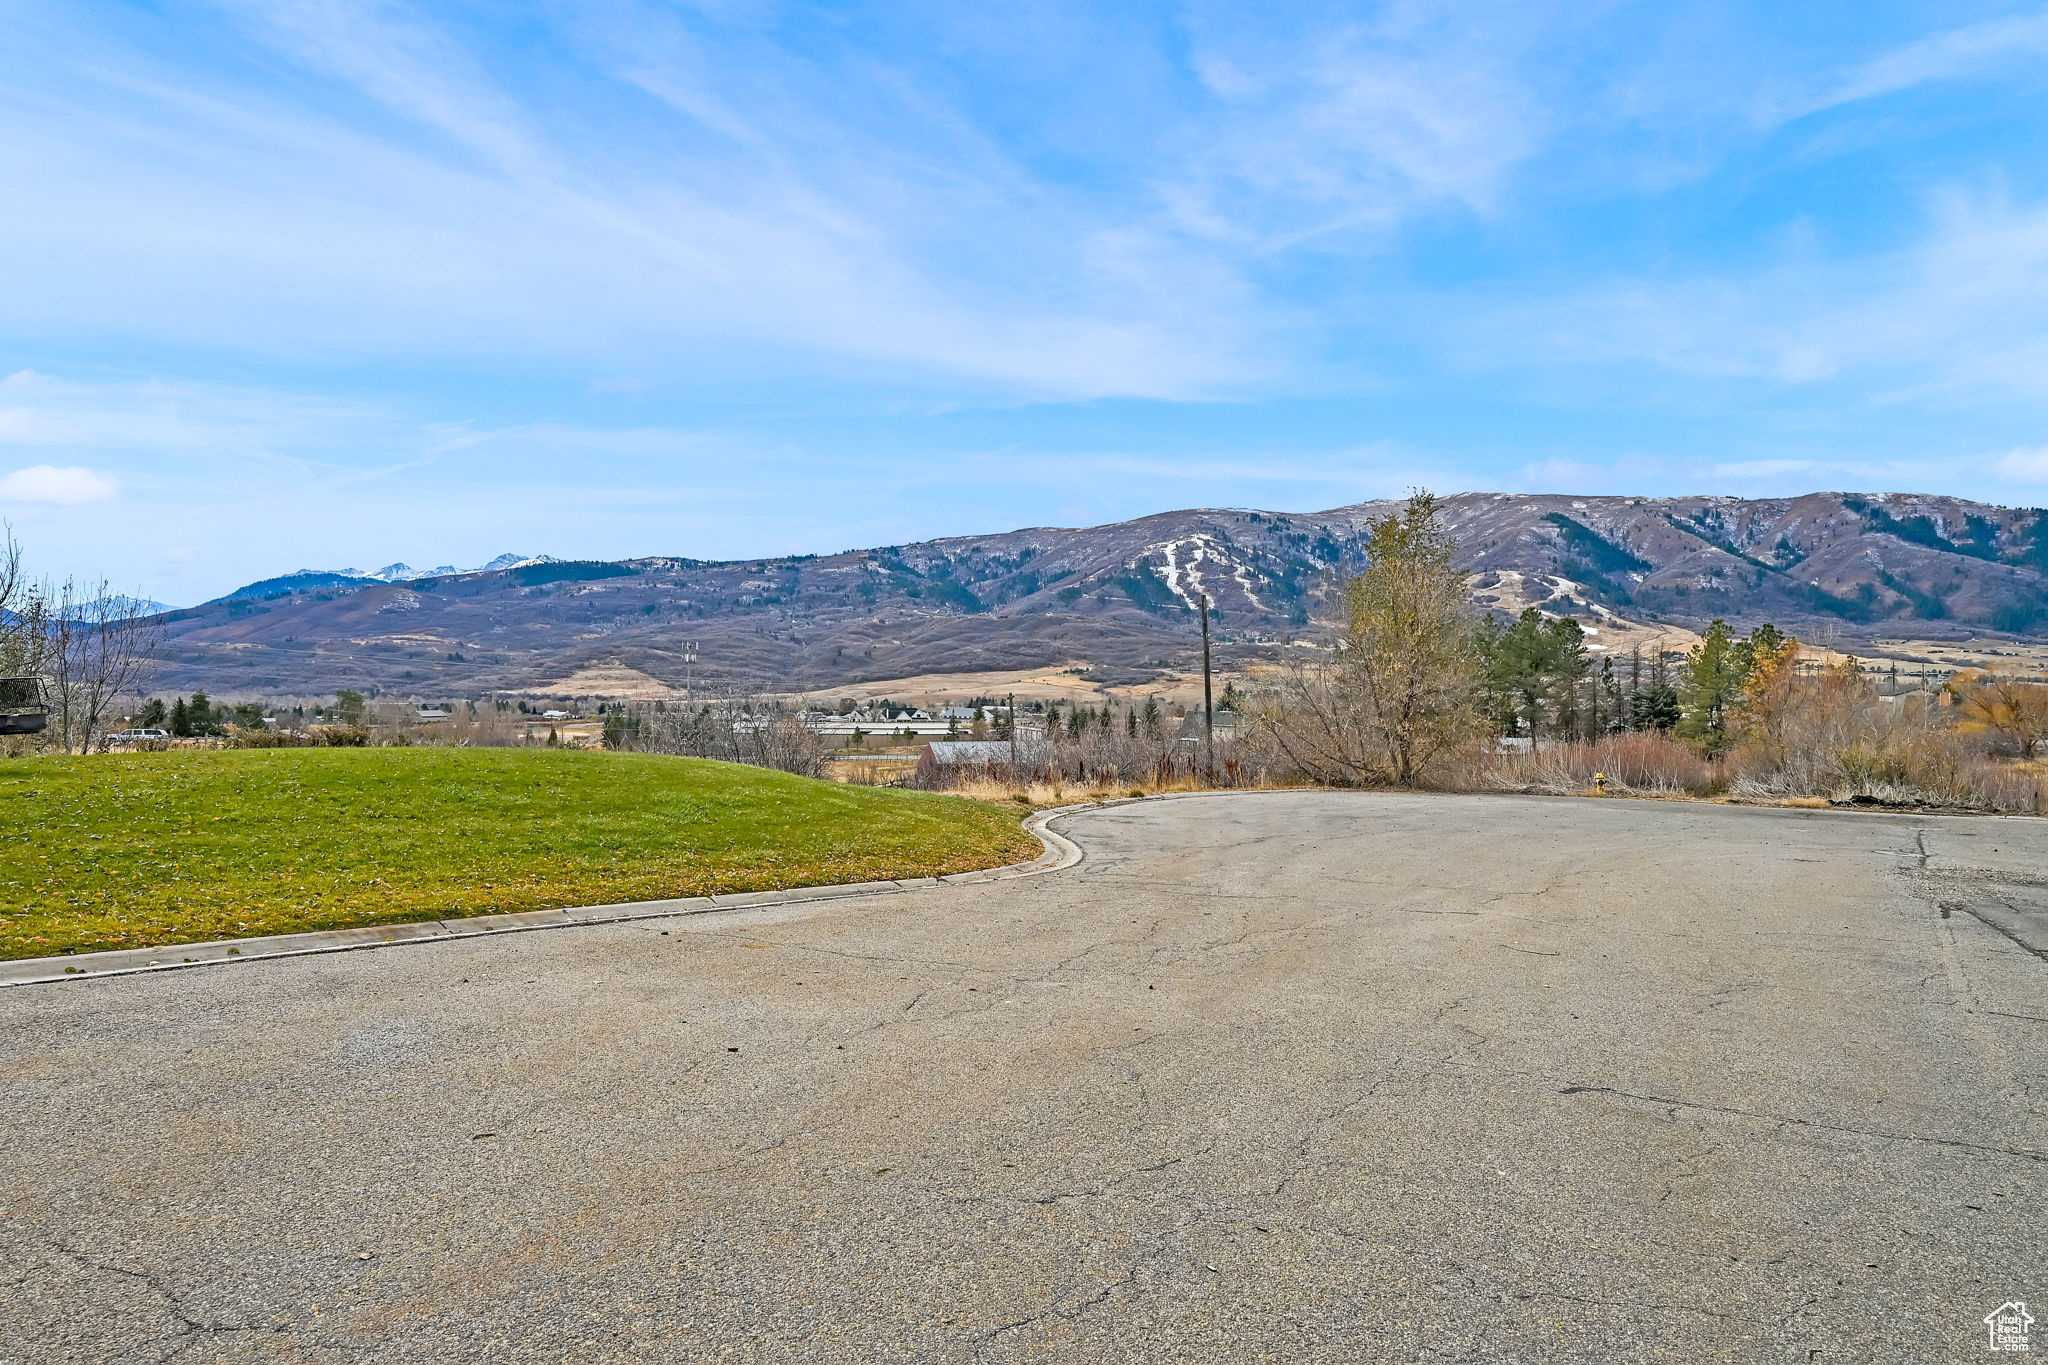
[21, 623]
[2012, 711]
[766, 734]
[97, 646]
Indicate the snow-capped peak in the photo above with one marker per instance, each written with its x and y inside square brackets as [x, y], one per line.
[515, 562]
[402, 572]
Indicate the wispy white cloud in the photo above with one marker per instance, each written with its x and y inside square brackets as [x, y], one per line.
[146, 421]
[1950, 54]
[58, 486]
[1408, 108]
[462, 222]
[2028, 465]
[1961, 313]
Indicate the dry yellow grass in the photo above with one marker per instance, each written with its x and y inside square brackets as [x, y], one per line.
[1039, 795]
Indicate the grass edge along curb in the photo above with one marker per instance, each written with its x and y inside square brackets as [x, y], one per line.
[1059, 852]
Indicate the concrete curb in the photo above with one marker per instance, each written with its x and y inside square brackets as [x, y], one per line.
[1060, 852]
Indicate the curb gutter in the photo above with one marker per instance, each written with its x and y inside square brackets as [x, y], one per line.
[1060, 852]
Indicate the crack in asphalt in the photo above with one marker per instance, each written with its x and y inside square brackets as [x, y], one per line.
[1069, 1311]
[190, 1330]
[1994, 926]
[1798, 1122]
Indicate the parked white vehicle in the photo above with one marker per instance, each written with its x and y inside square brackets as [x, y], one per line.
[142, 735]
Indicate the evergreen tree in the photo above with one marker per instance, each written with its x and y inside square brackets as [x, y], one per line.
[199, 715]
[1712, 682]
[181, 719]
[1516, 677]
[1654, 708]
[1763, 646]
[1569, 667]
[153, 714]
[1533, 674]
[1613, 712]
[350, 708]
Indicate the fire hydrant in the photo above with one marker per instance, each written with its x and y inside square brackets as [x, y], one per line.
[1599, 784]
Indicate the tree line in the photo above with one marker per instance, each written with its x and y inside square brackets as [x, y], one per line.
[1416, 679]
[1538, 678]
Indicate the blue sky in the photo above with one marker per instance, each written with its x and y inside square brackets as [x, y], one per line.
[323, 282]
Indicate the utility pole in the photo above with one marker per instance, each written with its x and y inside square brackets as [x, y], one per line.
[1013, 736]
[1208, 698]
[689, 662]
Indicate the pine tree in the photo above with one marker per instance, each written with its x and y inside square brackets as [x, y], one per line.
[351, 708]
[1569, 666]
[153, 714]
[1654, 708]
[181, 719]
[1712, 681]
[1612, 704]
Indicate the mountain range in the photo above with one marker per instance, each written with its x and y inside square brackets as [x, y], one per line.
[1118, 598]
[302, 579]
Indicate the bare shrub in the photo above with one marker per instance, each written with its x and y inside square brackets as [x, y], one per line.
[1645, 764]
[2011, 712]
[2007, 787]
[1834, 736]
[762, 733]
[263, 737]
[341, 736]
[1110, 760]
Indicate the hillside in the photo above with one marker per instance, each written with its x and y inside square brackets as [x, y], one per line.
[1838, 565]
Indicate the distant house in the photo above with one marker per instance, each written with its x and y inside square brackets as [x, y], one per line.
[1922, 696]
[977, 753]
[432, 713]
[555, 715]
[878, 725]
[1190, 729]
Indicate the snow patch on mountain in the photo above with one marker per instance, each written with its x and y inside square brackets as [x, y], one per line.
[401, 572]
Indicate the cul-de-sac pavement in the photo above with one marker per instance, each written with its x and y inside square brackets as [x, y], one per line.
[1292, 1077]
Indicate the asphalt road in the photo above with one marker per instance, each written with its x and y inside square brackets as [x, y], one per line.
[1295, 1077]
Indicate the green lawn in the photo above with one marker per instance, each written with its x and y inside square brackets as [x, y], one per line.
[132, 850]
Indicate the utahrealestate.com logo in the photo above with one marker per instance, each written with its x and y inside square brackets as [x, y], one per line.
[2009, 1323]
